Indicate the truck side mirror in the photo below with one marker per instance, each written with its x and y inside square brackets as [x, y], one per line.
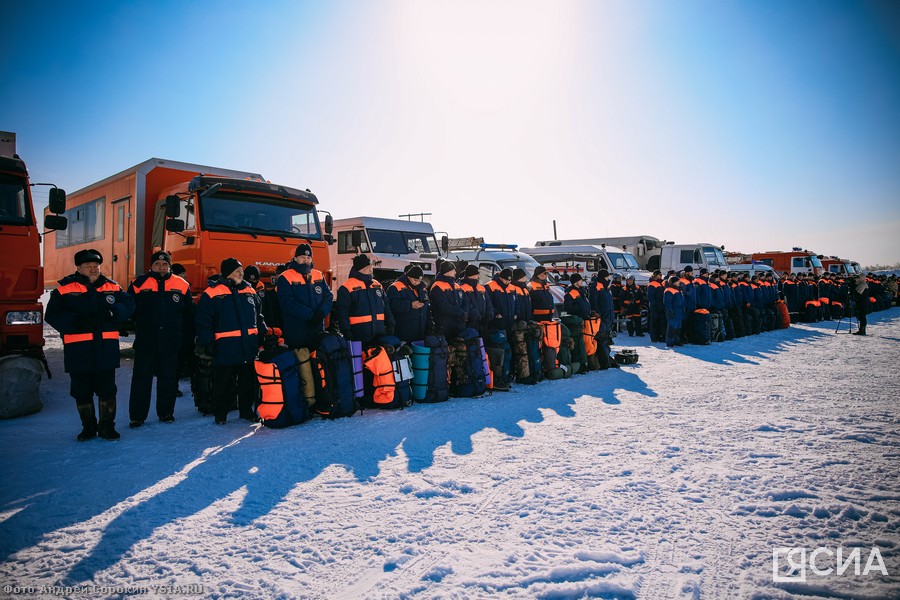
[174, 225]
[329, 225]
[55, 223]
[329, 239]
[57, 202]
[173, 209]
[356, 238]
[445, 244]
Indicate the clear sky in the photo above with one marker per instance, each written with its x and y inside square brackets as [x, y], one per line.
[759, 125]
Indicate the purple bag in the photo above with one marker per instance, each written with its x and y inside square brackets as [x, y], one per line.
[357, 359]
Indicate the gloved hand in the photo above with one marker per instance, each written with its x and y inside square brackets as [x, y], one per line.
[594, 314]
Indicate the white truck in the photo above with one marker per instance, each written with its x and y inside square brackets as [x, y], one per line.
[392, 245]
[676, 257]
[585, 259]
[646, 249]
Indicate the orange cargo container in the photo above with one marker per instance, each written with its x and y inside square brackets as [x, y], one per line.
[225, 213]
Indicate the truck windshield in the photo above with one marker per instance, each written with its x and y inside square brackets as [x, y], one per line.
[814, 261]
[714, 256]
[855, 268]
[623, 261]
[526, 263]
[401, 242]
[259, 215]
[14, 205]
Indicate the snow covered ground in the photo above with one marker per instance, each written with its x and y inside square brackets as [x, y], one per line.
[675, 478]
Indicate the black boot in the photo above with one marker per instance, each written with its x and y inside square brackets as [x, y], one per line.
[861, 331]
[88, 421]
[107, 427]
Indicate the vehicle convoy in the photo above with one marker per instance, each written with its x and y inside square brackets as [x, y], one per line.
[795, 261]
[645, 249]
[21, 283]
[587, 260]
[841, 266]
[393, 244]
[199, 214]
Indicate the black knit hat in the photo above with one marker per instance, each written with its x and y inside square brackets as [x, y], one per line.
[251, 273]
[688, 269]
[518, 274]
[303, 249]
[361, 261]
[471, 271]
[505, 274]
[602, 274]
[89, 255]
[704, 271]
[415, 272]
[447, 266]
[161, 255]
[178, 269]
[539, 270]
[575, 278]
[229, 265]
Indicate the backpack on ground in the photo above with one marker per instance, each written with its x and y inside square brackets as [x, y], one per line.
[699, 327]
[356, 357]
[333, 374]
[573, 330]
[565, 367]
[430, 383]
[551, 336]
[533, 335]
[521, 364]
[499, 355]
[378, 375]
[282, 403]
[201, 382]
[467, 378]
[307, 381]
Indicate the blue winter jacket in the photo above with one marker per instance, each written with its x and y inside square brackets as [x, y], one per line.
[362, 311]
[87, 316]
[503, 301]
[409, 323]
[229, 318]
[448, 303]
[602, 303]
[673, 299]
[304, 300]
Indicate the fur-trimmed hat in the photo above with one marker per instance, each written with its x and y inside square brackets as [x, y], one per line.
[89, 255]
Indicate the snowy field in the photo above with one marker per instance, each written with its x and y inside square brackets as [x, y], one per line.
[675, 478]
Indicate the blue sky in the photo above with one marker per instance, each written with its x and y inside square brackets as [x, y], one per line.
[758, 125]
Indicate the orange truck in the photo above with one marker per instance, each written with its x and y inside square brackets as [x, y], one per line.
[795, 261]
[22, 358]
[199, 214]
[841, 266]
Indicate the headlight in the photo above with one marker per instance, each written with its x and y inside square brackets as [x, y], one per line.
[24, 317]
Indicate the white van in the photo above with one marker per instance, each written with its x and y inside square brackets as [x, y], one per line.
[646, 249]
[587, 260]
[752, 269]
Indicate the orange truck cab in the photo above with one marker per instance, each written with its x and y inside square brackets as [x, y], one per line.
[795, 261]
[200, 214]
[21, 284]
[210, 218]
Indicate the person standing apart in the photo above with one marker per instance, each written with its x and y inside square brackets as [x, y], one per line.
[86, 309]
